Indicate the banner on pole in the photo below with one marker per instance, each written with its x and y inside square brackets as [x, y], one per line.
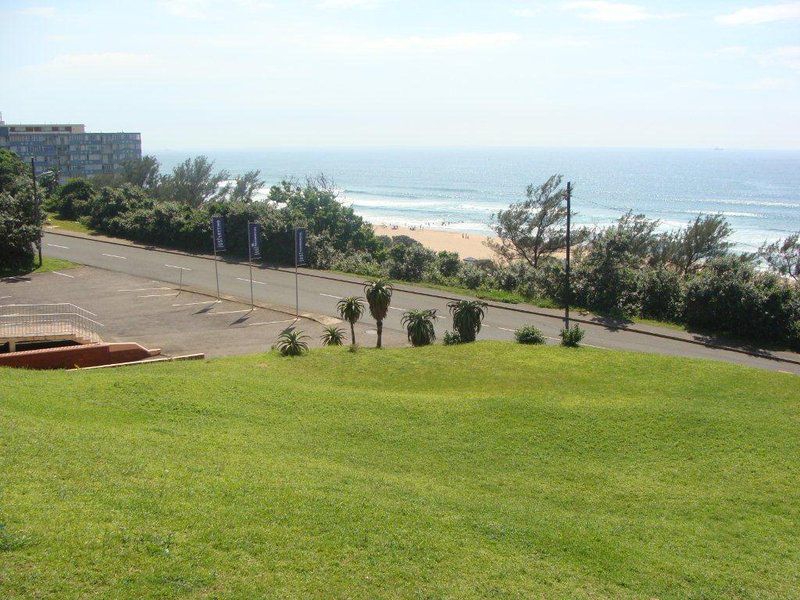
[300, 236]
[255, 240]
[218, 232]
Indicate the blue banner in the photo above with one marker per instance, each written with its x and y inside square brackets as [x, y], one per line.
[254, 238]
[300, 246]
[218, 233]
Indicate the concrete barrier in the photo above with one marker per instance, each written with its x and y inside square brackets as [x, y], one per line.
[90, 355]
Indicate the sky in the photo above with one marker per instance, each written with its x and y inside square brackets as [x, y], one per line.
[244, 74]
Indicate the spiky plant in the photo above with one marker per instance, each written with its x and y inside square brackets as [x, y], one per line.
[467, 318]
[332, 336]
[419, 326]
[571, 337]
[379, 296]
[351, 310]
[291, 343]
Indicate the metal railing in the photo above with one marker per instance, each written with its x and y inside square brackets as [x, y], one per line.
[31, 321]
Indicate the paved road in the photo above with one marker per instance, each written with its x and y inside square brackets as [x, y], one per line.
[319, 295]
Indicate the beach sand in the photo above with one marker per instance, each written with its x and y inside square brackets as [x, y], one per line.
[471, 246]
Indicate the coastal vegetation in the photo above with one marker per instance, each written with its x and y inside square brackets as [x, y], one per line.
[630, 270]
[478, 470]
[20, 216]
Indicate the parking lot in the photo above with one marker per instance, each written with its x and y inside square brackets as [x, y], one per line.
[157, 314]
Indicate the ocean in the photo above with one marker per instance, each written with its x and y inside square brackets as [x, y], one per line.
[460, 189]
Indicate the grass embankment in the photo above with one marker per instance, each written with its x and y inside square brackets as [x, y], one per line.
[66, 225]
[48, 265]
[470, 471]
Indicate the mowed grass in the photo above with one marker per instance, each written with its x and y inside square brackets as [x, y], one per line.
[484, 470]
[49, 264]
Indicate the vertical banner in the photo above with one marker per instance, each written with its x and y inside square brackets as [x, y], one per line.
[300, 235]
[218, 233]
[255, 240]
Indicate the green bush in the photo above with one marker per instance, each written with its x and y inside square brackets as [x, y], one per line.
[529, 334]
[661, 294]
[572, 336]
[410, 262]
[451, 338]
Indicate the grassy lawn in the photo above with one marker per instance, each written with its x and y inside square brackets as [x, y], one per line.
[65, 225]
[48, 265]
[489, 470]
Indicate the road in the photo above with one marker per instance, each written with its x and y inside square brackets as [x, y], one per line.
[320, 294]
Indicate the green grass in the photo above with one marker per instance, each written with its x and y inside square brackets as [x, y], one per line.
[483, 470]
[65, 225]
[48, 265]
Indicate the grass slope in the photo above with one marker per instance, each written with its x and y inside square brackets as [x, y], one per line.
[48, 265]
[488, 470]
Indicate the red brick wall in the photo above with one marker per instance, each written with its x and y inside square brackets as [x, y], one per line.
[90, 355]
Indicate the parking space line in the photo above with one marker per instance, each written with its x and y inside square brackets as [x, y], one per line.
[270, 322]
[332, 296]
[114, 256]
[196, 303]
[177, 267]
[248, 281]
[57, 246]
[231, 312]
[146, 289]
[156, 296]
[4, 297]
[63, 274]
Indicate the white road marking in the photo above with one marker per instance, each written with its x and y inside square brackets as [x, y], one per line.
[248, 281]
[196, 303]
[4, 297]
[505, 329]
[146, 289]
[156, 296]
[176, 267]
[396, 308]
[57, 246]
[232, 312]
[64, 274]
[332, 296]
[115, 256]
[270, 322]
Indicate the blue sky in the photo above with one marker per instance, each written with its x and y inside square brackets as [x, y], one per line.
[254, 74]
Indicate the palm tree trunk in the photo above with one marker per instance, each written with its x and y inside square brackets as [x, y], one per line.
[352, 333]
[380, 332]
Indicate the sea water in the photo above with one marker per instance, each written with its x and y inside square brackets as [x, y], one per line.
[460, 189]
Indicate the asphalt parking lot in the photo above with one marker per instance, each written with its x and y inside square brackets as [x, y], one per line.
[157, 314]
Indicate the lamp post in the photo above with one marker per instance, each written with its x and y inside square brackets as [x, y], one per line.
[567, 292]
[38, 207]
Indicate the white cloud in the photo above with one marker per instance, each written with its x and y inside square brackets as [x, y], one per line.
[417, 43]
[46, 12]
[101, 64]
[614, 12]
[787, 56]
[345, 4]
[186, 9]
[768, 13]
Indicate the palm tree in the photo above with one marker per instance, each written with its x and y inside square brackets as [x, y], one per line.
[291, 343]
[332, 336]
[351, 309]
[419, 325]
[379, 296]
[467, 317]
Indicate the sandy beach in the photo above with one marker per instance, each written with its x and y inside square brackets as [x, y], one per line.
[466, 244]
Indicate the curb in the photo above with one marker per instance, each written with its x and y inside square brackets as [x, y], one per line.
[417, 292]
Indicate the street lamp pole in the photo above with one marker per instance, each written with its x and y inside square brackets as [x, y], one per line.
[38, 207]
[568, 291]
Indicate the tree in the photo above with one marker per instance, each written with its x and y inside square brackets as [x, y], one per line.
[142, 172]
[351, 309]
[419, 326]
[245, 187]
[535, 228]
[193, 182]
[379, 296]
[20, 217]
[704, 238]
[467, 318]
[72, 199]
[409, 262]
[783, 256]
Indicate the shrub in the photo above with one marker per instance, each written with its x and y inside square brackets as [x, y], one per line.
[467, 318]
[448, 263]
[72, 199]
[419, 326]
[451, 338]
[572, 336]
[291, 343]
[332, 336]
[660, 292]
[529, 334]
[471, 276]
[410, 262]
